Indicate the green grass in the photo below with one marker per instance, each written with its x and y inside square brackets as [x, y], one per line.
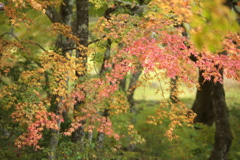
[153, 91]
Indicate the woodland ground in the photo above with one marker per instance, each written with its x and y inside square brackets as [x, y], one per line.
[192, 143]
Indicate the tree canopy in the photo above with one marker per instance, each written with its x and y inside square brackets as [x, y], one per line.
[55, 60]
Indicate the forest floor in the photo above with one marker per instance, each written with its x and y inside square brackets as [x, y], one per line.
[192, 143]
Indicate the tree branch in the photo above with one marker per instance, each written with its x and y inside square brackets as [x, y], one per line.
[91, 42]
[12, 34]
[96, 40]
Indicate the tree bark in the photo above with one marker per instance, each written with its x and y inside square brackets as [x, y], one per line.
[173, 90]
[203, 104]
[82, 33]
[223, 135]
[210, 106]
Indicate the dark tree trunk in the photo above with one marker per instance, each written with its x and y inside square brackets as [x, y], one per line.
[223, 135]
[82, 29]
[203, 104]
[210, 106]
[78, 135]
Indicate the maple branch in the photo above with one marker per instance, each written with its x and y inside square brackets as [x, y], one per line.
[12, 34]
[4, 34]
[96, 40]
[36, 45]
[91, 42]
[68, 49]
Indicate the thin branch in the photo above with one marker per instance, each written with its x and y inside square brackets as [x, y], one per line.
[68, 49]
[36, 45]
[12, 34]
[5, 34]
[94, 41]
[94, 64]
[91, 42]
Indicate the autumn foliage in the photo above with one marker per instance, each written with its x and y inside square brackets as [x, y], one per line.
[48, 77]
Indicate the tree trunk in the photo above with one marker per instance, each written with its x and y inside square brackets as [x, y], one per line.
[107, 54]
[61, 43]
[210, 106]
[100, 140]
[78, 135]
[122, 84]
[223, 135]
[82, 33]
[54, 136]
[106, 57]
[132, 87]
[203, 104]
[103, 70]
[174, 90]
